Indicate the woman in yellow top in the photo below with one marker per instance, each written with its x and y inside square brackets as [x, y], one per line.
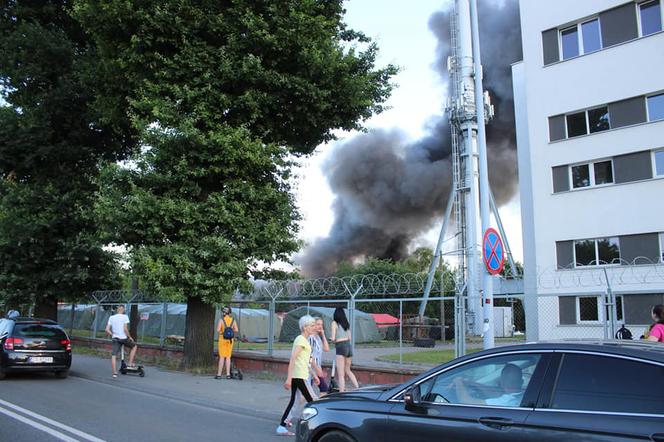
[298, 370]
[225, 345]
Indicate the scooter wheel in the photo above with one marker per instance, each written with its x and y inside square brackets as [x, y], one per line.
[240, 376]
[122, 371]
[141, 373]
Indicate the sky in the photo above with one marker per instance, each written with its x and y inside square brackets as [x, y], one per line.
[401, 30]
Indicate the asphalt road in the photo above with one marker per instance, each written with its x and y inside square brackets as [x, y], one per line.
[40, 408]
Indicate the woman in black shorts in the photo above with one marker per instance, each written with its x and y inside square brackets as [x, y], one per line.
[341, 338]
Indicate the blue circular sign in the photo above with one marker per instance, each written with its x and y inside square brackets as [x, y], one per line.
[494, 253]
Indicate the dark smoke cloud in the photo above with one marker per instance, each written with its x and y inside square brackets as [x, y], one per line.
[387, 191]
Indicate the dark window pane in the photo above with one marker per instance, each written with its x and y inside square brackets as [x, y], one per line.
[651, 18]
[659, 162]
[598, 383]
[603, 172]
[588, 308]
[39, 331]
[584, 252]
[656, 107]
[580, 176]
[598, 119]
[609, 250]
[591, 38]
[619, 308]
[576, 124]
[570, 39]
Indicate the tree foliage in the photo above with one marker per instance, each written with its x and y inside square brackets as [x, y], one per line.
[51, 142]
[222, 94]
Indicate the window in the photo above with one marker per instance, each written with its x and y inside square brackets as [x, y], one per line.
[591, 37]
[590, 121]
[588, 309]
[576, 124]
[580, 176]
[592, 174]
[661, 247]
[619, 309]
[659, 163]
[497, 381]
[656, 107]
[598, 119]
[590, 41]
[570, 42]
[603, 172]
[601, 251]
[610, 384]
[651, 17]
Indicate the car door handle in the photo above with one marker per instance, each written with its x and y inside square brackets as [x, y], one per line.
[496, 422]
[658, 437]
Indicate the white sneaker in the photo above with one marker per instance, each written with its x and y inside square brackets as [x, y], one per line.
[283, 431]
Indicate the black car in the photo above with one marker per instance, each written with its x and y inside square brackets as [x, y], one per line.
[30, 344]
[588, 391]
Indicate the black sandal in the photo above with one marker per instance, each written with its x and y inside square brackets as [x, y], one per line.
[229, 376]
[217, 377]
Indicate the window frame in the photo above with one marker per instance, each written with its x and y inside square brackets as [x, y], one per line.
[639, 24]
[579, 37]
[591, 172]
[655, 175]
[578, 310]
[661, 247]
[596, 260]
[587, 120]
[647, 96]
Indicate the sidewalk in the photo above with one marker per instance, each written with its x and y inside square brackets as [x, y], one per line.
[257, 397]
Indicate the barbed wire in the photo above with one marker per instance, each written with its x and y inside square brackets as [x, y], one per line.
[599, 274]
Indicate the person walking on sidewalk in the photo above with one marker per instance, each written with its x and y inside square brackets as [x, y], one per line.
[118, 329]
[319, 345]
[226, 340]
[341, 337]
[298, 371]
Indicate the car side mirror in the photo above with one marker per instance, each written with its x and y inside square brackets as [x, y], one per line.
[413, 399]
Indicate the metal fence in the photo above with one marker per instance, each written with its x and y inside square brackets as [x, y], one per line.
[386, 331]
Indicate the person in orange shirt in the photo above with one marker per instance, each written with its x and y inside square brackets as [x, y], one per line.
[225, 344]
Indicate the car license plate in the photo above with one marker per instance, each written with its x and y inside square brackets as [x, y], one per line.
[41, 359]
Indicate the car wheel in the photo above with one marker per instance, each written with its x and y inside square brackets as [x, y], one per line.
[62, 374]
[336, 436]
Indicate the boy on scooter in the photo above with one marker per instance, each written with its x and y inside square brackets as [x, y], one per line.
[118, 329]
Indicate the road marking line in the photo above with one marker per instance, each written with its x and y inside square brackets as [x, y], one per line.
[44, 428]
[57, 424]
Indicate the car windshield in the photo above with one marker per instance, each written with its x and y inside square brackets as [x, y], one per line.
[39, 331]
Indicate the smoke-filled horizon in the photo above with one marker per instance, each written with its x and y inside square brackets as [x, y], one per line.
[389, 191]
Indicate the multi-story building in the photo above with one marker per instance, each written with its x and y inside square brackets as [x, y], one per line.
[589, 101]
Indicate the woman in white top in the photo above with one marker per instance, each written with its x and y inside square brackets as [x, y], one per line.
[340, 335]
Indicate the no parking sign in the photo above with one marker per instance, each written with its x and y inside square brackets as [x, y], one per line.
[494, 253]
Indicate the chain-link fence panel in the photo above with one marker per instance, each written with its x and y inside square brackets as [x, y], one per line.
[595, 316]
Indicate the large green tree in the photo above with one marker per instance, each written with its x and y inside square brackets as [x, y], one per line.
[223, 92]
[52, 139]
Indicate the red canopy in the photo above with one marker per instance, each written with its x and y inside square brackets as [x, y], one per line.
[384, 320]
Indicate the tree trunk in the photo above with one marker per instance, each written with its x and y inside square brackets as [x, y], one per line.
[133, 311]
[46, 307]
[199, 334]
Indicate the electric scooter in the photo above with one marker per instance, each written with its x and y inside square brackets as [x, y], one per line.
[125, 369]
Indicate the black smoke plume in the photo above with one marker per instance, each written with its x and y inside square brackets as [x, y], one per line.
[387, 191]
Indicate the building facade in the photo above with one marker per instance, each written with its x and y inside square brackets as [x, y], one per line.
[589, 103]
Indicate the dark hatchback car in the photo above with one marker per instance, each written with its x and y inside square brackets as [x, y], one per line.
[37, 345]
[558, 391]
